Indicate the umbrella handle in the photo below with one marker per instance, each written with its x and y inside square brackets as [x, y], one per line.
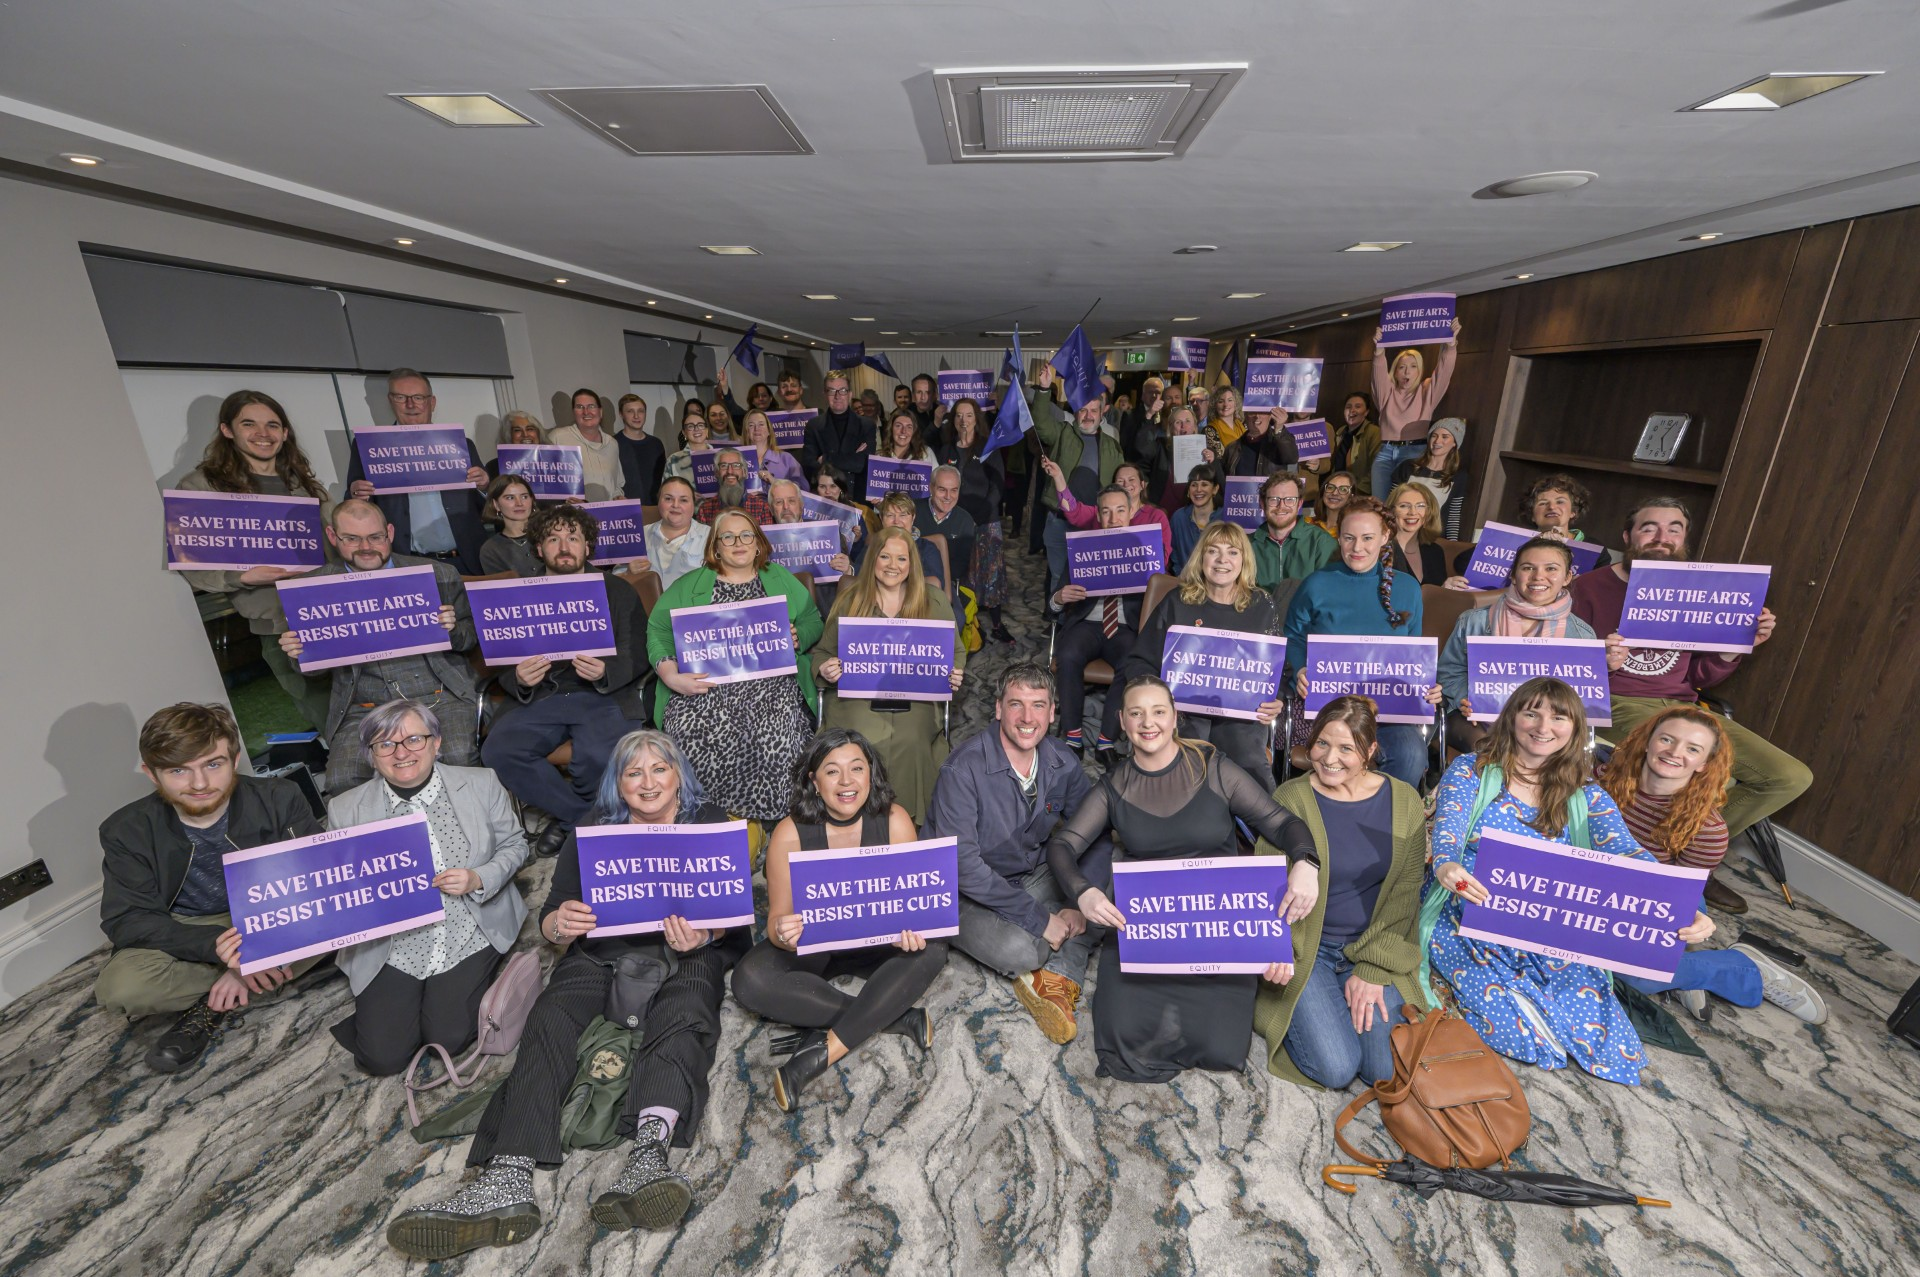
[1651, 1201]
[1327, 1173]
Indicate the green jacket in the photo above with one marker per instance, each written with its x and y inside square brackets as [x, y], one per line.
[1061, 438]
[1307, 549]
[696, 588]
[1387, 952]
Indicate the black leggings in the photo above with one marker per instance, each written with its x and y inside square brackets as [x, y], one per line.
[792, 988]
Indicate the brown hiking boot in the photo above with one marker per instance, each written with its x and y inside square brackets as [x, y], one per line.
[1051, 999]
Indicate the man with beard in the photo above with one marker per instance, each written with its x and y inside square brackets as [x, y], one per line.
[444, 526]
[1765, 778]
[163, 903]
[1285, 546]
[783, 498]
[364, 539]
[838, 436]
[791, 398]
[590, 700]
[730, 472]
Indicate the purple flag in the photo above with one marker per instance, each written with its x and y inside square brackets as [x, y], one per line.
[790, 428]
[899, 660]
[1498, 543]
[955, 384]
[1242, 505]
[1187, 354]
[634, 877]
[1270, 348]
[1394, 670]
[349, 617]
[886, 475]
[1079, 369]
[1496, 666]
[558, 617]
[851, 521]
[746, 352]
[1291, 385]
[291, 900]
[1116, 560]
[805, 547]
[1695, 607]
[1222, 673]
[858, 897]
[623, 531]
[1310, 438]
[706, 481]
[735, 642]
[1416, 319]
[554, 471]
[1212, 915]
[234, 531]
[413, 458]
[1619, 913]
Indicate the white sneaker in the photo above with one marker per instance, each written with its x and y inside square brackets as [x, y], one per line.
[1789, 992]
[1696, 1004]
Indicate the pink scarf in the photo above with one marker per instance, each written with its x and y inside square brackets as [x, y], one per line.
[1513, 619]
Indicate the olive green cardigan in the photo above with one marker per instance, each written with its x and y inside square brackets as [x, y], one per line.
[1387, 952]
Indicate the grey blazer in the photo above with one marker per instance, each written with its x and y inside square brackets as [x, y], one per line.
[499, 849]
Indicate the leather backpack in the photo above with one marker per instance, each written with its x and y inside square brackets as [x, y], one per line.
[1452, 1101]
[503, 1014]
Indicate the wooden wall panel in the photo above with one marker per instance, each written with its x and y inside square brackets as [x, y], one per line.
[1880, 278]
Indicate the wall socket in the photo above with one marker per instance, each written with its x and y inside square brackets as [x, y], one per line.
[22, 883]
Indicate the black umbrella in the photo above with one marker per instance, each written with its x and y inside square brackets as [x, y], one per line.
[1500, 1186]
[1766, 845]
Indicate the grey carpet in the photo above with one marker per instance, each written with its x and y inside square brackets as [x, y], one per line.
[1787, 1150]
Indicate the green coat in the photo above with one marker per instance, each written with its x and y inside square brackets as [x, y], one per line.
[1387, 952]
[1307, 549]
[1062, 440]
[696, 588]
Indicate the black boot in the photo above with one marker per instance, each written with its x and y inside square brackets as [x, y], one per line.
[916, 1024]
[647, 1194]
[551, 840]
[184, 1043]
[807, 1062]
[496, 1209]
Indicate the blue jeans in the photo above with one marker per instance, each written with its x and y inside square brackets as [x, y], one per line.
[1403, 752]
[1389, 457]
[1321, 1040]
[1721, 972]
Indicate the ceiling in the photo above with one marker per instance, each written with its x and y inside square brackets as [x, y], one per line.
[1354, 121]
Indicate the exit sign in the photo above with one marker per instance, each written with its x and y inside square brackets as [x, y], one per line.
[1136, 356]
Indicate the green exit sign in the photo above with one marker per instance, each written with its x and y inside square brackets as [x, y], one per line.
[1136, 356]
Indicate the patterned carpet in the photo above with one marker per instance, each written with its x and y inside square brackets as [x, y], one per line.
[1787, 1150]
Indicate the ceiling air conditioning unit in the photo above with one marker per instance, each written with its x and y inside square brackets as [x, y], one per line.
[1079, 113]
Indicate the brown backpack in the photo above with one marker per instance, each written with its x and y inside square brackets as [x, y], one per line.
[1451, 1102]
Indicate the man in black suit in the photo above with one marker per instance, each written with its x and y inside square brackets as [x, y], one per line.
[1093, 629]
[431, 525]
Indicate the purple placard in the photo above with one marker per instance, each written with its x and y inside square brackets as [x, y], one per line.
[1496, 666]
[1116, 560]
[1310, 438]
[413, 458]
[291, 900]
[1416, 319]
[623, 531]
[1242, 505]
[805, 547]
[1619, 913]
[349, 617]
[1290, 385]
[851, 521]
[1270, 348]
[554, 471]
[1212, 915]
[887, 475]
[1695, 607]
[1394, 670]
[1498, 543]
[735, 642]
[897, 660]
[858, 897]
[955, 384]
[558, 617]
[634, 877]
[707, 483]
[1187, 354]
[790, 428]
[1222, 673]
[234, 531]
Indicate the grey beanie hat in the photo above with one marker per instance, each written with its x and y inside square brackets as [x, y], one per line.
[1455, 426]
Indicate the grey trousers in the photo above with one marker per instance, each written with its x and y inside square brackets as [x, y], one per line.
[1012, 950]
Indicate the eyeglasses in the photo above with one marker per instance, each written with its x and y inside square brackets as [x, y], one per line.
[412, 744]
[734, 538]
[348, 541]
[731, 467]
[1281, 503]
[412, 401]
[1337, 489]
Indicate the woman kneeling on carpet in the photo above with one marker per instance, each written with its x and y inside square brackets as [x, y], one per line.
[647, 782]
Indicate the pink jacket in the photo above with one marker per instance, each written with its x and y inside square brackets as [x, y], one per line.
[1405, 415]
[1085, 516]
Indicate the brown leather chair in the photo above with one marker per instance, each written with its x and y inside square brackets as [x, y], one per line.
[1452, 550]
[649, 513]
[1440, 608]
[1101, 674]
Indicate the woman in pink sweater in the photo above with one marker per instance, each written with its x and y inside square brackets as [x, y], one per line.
[1129, 476]
[1407, 398]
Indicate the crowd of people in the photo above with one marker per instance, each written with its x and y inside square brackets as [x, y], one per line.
[1380, 854]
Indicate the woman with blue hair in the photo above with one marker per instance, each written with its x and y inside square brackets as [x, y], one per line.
[648, 782]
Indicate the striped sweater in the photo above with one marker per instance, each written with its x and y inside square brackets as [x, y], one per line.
[1643, 817]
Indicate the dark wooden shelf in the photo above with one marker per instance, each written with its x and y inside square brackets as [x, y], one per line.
[1571, 461]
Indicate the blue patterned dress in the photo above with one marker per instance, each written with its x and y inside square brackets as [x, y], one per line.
[1575, 1001]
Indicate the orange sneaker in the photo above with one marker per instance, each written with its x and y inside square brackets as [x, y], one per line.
[1051, 999]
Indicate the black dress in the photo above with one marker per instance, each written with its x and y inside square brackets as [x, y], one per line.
[1147, 1028]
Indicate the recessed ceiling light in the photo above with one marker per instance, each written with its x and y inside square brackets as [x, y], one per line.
[468, 110]
[403, 241]
[909, 343]
[706, 316]
[889, 332]
[1198, 248]
[1185, 319]
[821, 297]
[1376, 245]
[1345, 314]
[1702, 235]
[652, 302]
[1782, 88]
[731, 250]
[559, 279]
[1241, 297]
[84, 161]
[861, 319]
[1523, 275]
[1536, 184]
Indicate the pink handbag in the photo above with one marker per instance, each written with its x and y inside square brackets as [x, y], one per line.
[503, 1014]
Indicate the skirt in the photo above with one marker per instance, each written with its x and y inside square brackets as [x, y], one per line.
[989, 568]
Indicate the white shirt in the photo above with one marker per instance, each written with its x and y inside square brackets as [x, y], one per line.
[674, 559]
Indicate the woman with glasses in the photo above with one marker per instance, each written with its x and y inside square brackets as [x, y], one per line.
[425, 985]
[775, 462]
[1336, 491]
[695, 434]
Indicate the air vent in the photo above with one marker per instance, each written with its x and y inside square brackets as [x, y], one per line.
[719, 119]
[1079, 113]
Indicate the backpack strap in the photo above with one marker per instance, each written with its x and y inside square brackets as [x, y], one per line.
[1386, 1093]
[1434, 903]
[1347, 1114]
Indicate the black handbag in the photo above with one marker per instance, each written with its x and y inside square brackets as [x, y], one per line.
[636, 978]
[1904, 1023]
